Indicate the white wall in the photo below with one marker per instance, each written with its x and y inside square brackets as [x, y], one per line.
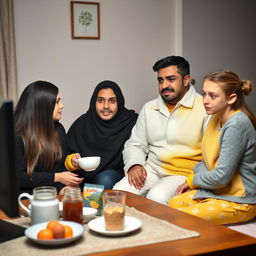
[134, 34]
[220, 34]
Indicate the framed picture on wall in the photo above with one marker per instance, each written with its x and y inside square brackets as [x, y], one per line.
[85, 20]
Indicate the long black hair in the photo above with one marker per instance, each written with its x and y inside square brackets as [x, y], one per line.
[34, 122]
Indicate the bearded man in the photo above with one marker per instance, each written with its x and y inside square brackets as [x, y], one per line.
[165, 143]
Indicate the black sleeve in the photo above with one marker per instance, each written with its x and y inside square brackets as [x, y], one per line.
[72, 136]
[40, 176]
[59, 165]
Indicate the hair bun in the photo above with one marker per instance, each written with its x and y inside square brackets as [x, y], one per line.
[192, 81]
[246, 86]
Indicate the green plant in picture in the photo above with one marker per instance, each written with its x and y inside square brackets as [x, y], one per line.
[85, 18]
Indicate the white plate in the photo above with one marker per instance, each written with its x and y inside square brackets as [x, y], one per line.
[130, 224]
[32, 232]
[89, 213]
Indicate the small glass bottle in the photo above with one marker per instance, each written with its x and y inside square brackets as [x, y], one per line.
[73, 205]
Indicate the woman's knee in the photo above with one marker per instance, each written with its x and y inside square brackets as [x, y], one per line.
[175, 202]
[183, 200]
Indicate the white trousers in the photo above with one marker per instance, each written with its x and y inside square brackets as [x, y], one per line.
[156, 188]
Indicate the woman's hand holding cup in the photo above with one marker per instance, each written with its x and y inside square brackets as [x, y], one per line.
[74, 160]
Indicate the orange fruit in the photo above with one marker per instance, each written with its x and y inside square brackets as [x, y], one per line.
[45, 234]
[58, 230]
[68, 231]
[51, 224]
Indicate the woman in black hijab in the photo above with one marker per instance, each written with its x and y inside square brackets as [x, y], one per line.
[92, 135]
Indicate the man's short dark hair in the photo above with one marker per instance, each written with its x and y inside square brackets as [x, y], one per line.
[180, 62]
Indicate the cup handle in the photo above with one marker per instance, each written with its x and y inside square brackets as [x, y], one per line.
[22, 205]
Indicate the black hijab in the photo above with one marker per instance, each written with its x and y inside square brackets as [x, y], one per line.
[89, 135]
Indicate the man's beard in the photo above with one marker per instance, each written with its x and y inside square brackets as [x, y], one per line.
[175, 99]
[166, 98]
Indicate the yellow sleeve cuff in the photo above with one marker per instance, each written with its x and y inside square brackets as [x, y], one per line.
[68, 163]
[189, 181]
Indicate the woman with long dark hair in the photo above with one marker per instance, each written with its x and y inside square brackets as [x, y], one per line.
[41, 139]
[223, 186]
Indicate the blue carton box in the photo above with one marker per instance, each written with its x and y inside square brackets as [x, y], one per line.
[92, 194]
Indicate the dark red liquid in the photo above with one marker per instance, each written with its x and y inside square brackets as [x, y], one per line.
[73, 211]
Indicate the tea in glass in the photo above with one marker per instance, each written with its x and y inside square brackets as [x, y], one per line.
[114, 210]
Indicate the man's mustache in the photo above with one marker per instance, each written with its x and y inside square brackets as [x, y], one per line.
[106, 110]
[167, 90]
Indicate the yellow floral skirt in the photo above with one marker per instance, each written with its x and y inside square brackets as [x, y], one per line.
[216, 210]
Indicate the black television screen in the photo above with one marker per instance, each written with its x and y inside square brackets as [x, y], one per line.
[8, 172]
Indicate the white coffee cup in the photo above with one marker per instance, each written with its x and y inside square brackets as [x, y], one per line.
[44, 204]
[89, 163]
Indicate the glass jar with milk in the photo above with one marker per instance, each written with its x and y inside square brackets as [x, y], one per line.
[44, 204]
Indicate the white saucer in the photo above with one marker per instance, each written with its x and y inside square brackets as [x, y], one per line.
[32, 232]
[130, 224]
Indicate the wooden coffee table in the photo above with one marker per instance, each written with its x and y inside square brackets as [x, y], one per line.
[213, 240]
